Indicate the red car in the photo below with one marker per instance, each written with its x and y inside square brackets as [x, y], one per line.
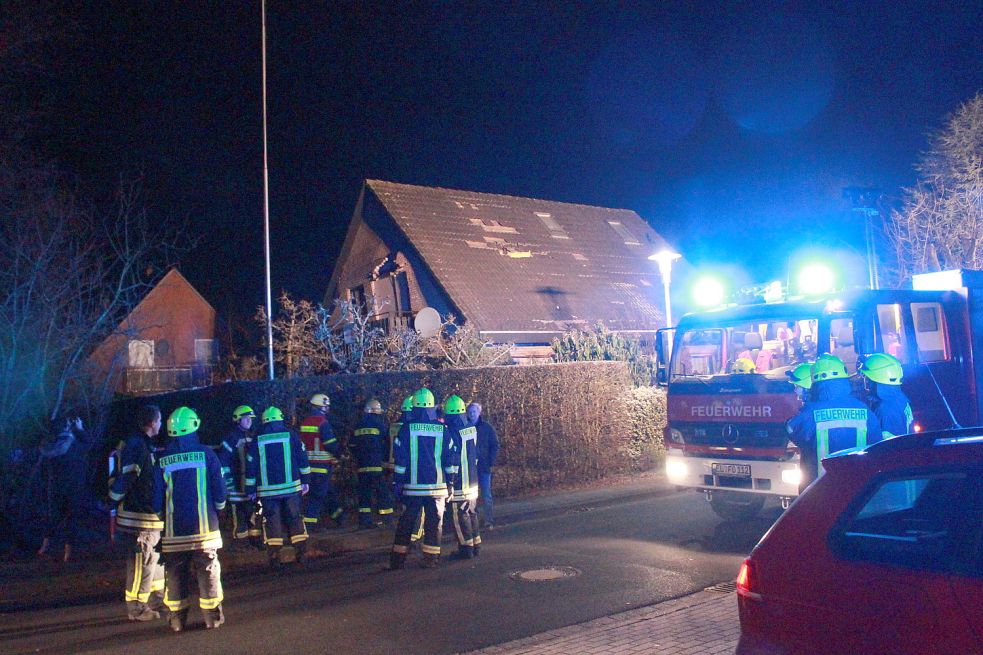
[882, 554]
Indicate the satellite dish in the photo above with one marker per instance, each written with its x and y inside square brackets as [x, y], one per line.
[427, 322]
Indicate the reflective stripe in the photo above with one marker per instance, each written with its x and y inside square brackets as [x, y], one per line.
[399, 469]
[385, 511]
[131, 468]
[309, 428]
[364, 431]
[318, 470]
[370, 469]
[309, 519]
[430, 550]
[211, 603]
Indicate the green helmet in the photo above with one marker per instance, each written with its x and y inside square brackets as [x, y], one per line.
[182, 420]
[423, 398]
[242, 411]
[454, 405]
[882, 368]
[407, 405]
[271, 414]
[828, 367]
[801, 376]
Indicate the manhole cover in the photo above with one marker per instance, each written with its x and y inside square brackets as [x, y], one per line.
[545, 574]
[723, 588]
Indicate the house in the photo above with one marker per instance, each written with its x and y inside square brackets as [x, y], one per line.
[520, 270]
[167, 342]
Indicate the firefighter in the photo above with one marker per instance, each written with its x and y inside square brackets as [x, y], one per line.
[801, 379]
[464, 498]
[368, 446]
[883, 374]
[323, 451]
[232, 454]
[832, 420]
[404, 417]
[189, 492]
[277, 474]
[425, 459]
[138, 525]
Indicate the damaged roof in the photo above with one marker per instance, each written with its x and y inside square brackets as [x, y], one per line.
[527, 265]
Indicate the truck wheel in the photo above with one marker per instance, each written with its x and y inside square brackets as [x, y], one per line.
[736, 506]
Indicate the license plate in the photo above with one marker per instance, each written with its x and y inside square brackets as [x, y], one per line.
[732, 470]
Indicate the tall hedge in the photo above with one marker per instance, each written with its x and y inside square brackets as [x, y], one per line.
[558, 423]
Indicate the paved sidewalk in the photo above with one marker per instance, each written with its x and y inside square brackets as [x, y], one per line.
[701, 623]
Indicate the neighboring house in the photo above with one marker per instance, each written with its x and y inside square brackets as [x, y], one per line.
[167, 342]
[519, 270]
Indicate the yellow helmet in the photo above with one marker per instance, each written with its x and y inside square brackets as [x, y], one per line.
[742, 365]
[243, 411]
[828, 367]
[801, 375]
[320, 400]
[373, 406]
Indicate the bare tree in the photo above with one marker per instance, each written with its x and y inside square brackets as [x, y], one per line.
[349, 335]
[295, 344]
[461, 346]
[940, 225]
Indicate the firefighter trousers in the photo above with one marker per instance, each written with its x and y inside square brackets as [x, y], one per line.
[372, 487]
[244, 522]
[281, 511]
[465, 516]
[181, 569]
[432, 524]
[144, 572]
[322, 496]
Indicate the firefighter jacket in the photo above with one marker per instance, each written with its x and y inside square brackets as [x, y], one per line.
[368, 443]
[232, 455]
[189, 492]
[832, 422]
[487, 445]
[133, 487]
[320, 443]
[276, 464]
[893, 410]
[394, 428]
[425, 460]
[465, 439]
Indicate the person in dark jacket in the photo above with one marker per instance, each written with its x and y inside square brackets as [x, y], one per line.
[487, 454]
[884, 374]
[137, 523]
[64, 465]
[833, 420]
[189, 492]
[277, 473]
[232, 455]
[323, 450]
[464, 497]
[425, 466]
[368, 447]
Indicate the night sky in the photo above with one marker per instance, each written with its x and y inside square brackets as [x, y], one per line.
[731, 127]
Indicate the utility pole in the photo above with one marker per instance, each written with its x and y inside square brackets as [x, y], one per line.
[864, 202]
[266, 214]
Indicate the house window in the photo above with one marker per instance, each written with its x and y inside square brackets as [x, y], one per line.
[556, 230]
[357, 296]
[140, 353]
[623, 232]
[204, 351]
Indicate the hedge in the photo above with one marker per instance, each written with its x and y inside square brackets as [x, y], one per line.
[557, 423]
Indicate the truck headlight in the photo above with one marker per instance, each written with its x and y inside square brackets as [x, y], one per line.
[792, 477]
[676, 435]
[676, 470]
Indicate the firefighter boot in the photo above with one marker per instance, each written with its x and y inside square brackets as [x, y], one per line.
[430, 561]
[178, 620]
[464, 552]
[300, 551]
[140, 612]
[274, 555]
[214, 618]
[396, 561]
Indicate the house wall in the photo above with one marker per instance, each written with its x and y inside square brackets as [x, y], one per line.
[172, 312]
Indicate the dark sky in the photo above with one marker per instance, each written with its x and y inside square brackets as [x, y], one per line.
[731, 127]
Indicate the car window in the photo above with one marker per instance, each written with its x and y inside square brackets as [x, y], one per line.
[907, 521]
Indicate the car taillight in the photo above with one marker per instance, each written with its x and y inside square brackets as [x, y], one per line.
[747, 581]
[916, 428]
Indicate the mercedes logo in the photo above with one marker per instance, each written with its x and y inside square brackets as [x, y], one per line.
[730, 433]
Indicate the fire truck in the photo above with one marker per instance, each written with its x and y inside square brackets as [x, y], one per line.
[726, 432]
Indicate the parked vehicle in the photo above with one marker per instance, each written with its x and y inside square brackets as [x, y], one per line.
[726, 434]
[882, 554]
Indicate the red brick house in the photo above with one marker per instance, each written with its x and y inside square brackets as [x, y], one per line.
[520, 270]
[167, 342]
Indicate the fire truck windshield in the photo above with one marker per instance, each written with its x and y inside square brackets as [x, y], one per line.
[773, 347]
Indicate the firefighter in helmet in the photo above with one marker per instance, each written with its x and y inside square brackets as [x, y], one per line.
[232, 455]
[801, 379]
[323, 450]
[368, 446]
[883, 374]
[832, 420]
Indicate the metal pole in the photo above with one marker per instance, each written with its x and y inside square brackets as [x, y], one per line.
[266, 215]
[665, 286]
[871, 247]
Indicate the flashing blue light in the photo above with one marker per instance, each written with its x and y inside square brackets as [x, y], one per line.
[816, 279]
[708, 292]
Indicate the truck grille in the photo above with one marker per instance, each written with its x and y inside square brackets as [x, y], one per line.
[735, 435]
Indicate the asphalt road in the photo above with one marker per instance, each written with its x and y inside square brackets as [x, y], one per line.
[629, 553]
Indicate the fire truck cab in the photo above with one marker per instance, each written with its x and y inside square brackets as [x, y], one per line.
[726, 433]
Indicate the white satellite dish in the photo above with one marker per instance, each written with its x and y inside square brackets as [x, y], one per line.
[427, 322]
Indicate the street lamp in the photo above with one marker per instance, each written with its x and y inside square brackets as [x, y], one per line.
[665, 258]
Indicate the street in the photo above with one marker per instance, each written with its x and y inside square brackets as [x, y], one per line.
[622, 553]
